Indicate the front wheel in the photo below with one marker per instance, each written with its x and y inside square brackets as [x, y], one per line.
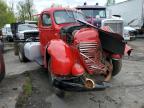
[117, 64]
[58, 92]
[2, 67]
[21, 54]
[2, 75]
[16, 48]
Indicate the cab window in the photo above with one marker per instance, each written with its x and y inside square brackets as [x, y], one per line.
[46, 20]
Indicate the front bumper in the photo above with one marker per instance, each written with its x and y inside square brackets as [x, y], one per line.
[69, 85]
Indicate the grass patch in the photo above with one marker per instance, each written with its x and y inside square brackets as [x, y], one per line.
[27, 91]
[27, 88]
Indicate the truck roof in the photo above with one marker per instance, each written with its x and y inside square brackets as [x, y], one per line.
[122, 2]
[7, 25]
[52, 9]
[90, 7]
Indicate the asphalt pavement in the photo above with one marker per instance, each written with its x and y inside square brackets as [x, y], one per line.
[127, 89]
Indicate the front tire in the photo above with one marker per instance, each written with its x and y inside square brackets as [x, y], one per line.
[21, 54]
[2, 75]
[117, 64]
[2, 67]
[16, 48]
[58, 92]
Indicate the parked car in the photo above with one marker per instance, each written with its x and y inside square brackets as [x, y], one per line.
[7, 33]
[129, 33]
[2, 64]
[77, 55]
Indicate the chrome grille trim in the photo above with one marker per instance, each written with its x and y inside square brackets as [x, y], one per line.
[115, 24]
[90, 52]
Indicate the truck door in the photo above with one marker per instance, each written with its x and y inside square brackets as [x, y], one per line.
[46, 30]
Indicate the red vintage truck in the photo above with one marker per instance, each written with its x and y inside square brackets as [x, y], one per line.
[77, 55]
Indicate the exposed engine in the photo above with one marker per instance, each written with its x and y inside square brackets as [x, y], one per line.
[95, 61]
[33, 35]
[67, 33]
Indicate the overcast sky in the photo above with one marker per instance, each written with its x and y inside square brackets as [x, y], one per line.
[39, 5]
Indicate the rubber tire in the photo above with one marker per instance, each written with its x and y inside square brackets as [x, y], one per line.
[2, 73]
[8, 39]
[58, 92]
[117, 64]
[21, 54]
[16, 48]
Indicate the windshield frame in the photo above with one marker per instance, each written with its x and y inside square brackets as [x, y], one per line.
[67, 11]
[93, 9]
[28, 26]
[63, 11]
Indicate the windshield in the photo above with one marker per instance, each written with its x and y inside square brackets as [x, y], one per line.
[9, 29]
[23, 27]
[94, 13]
[67, 16]
[79, 16]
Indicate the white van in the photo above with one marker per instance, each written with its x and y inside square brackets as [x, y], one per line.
[7, 33]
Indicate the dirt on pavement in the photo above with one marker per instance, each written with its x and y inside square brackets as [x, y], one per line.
[127, 89]
[12, 85]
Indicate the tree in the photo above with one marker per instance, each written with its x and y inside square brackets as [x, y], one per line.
[110, 2]
[6, 15]
[25, 10]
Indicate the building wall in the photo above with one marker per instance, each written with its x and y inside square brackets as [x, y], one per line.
[129, 10]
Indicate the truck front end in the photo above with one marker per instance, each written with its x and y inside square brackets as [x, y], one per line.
[84, 57]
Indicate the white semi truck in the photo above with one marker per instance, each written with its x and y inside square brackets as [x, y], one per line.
[132, 11]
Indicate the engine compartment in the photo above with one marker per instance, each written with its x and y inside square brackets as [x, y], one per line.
[67, 32]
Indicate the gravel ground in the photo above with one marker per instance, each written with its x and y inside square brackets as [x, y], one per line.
[127, 89]
[11, 86]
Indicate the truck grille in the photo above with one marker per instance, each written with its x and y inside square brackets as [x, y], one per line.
[115, 25]
[33, 34]
[92, 56]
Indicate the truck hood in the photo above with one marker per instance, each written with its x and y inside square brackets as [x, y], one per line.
[128, 28]
[28, 31]
[83, 35]
[111, 42]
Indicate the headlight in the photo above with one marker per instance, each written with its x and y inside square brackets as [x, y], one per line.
[21, 36]
[77, 70]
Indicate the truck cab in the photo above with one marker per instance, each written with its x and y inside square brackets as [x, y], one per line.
[52, 20]
[93, 13]
[97, 15]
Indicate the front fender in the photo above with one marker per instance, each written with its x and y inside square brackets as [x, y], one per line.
[61, 57]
